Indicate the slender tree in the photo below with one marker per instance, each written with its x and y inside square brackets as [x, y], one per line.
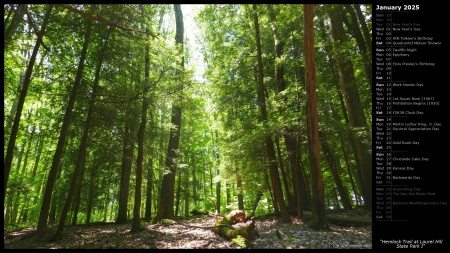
[348, 133]
[364, 28]
[352, 102]
[23, 94]
[127, 160]
[239, 188]
[273, 168]
[301, 198]
[355, 31]
[335, 166]
[318, 199]
[84, 143]
[216, 157]
[136, 224]
[10, 27]
[45, 208]
[166, 197]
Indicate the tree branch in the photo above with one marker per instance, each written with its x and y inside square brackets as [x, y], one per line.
[31, 23]
[102, 20]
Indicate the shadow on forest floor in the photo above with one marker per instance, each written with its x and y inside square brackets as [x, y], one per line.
[194, 233]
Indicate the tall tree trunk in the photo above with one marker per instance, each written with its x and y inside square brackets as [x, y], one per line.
[76, 204]
[83, 145]
[363, 24]
[298, 180]
[239, 188]
[218, 188]
[218, 184]
[336, 200]
[34, 212]
[54, 203]
[91, 193]
[136, 224]
[318, 201]
[354, 30]
[13, 25]
[348, 133]
[105, 211]
[36, 193]
[149, 192]
[335, 166]
[15, 208]
[275, 206]
[203, 173]
[42, 223]
[25, 210]
[291, 203]
[186, 193]
[346, 157]
[10, 117]
[194, 179]
[273, 168]
[23, 94]
[278, 46]
[301, 190]
[228, 195]
[352, 103]
[177, 195]
[8, 206]
[23, 172]
[166, 199]
[127, 160]
[52, 214]
[40, 147]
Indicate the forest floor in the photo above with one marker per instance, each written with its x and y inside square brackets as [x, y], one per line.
[194, 233]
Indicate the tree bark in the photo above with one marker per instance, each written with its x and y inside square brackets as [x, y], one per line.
[298, 180]
[273, 168]
[348, 133]
[23, 94]
[344, 152]
[83, 147]
[177, 195]
[218, 184]
[300, 188]
[127, 160]
[336, 200]
[90, 201]
[42, 223]
[194, 179]
[166, 199]
[136, 224]
[239, 188]
[186, 193]
[352, 103]
[275, 206]
[334, 168]
[283, 175]
[318, 199]
[362, 22]
[149, 192]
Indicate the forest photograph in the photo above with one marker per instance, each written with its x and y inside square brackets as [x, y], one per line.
[185, 126]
